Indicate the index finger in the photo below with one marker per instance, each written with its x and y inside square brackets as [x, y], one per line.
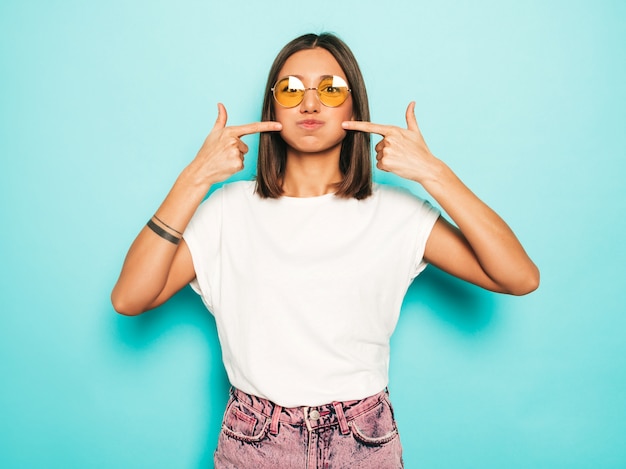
[255, 128]
[367, 127]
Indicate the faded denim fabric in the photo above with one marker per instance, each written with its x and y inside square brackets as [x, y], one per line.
[259, 434]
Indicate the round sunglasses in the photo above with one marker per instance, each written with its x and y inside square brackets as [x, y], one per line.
[332, 91]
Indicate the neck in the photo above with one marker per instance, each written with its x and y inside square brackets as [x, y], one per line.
[312, 174]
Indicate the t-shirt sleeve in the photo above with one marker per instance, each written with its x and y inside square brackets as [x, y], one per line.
[427, 216]
[414, 219]
[202, 235]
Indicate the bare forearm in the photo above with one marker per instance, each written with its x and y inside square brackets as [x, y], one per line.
[149, 260]
[495, 246]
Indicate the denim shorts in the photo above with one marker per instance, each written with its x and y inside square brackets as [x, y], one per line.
[259, 434]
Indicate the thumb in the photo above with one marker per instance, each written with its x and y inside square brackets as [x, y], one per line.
[411, 121]
[222, 117]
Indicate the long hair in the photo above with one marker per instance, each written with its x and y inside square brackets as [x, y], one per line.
[355, 157]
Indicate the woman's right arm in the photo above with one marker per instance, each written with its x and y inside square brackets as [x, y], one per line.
[155, 268]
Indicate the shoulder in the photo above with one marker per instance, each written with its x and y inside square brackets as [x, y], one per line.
[226, 194]
[401, 200]
[230, 191]
[238, 188]
[395, 194]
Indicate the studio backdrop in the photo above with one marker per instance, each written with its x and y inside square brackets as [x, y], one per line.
[102, 104]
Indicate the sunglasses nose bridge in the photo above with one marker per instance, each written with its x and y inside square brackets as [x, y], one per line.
[316, 98]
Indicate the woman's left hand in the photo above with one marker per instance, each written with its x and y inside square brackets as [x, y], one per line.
[401, 151]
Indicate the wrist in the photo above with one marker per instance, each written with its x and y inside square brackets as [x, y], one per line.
[431, 173]
[444, 184]
[193, 181]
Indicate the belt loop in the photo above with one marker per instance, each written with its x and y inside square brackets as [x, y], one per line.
[275, 416]
[305, 411]
[343, 423]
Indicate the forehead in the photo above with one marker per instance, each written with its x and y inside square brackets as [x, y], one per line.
[311, 63]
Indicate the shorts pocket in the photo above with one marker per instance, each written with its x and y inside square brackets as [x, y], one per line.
[376, 426]
[243, 423]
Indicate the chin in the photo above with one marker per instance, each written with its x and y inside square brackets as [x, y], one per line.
[311, 145]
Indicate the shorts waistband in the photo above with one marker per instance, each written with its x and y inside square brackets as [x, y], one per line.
[313, 417]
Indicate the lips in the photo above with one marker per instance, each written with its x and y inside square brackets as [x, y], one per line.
[310, 124]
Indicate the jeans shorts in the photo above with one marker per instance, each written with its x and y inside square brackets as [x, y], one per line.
[259, 434]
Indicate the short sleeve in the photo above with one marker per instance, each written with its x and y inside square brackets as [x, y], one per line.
[203, 236]
[427, 216]
[415, 218]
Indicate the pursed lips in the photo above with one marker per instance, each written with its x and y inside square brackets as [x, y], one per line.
[310, 124]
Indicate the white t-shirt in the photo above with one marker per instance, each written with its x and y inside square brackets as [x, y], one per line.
[306, 292]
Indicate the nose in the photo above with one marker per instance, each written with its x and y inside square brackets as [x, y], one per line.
[311, 101]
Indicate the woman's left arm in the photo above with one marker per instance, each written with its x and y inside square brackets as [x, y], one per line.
[483, 250]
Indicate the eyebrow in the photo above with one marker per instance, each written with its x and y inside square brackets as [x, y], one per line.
[301, 77]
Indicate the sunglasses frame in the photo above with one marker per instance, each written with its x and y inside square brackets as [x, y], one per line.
[304, 89]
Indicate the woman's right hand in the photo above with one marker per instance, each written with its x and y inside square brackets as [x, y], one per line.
[222, 153]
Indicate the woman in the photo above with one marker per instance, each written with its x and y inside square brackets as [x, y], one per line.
[306, 268]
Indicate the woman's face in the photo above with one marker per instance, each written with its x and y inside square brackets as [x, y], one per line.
[312, 127]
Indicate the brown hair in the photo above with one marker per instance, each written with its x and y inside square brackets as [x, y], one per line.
[355, 158]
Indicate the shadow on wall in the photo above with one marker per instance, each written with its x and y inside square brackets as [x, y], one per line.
[466, 307]
[185, 308]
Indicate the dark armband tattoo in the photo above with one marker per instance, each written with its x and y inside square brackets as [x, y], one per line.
[162, 233]
[166, 225]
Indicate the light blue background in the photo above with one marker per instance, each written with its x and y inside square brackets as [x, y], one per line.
[103, 103]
